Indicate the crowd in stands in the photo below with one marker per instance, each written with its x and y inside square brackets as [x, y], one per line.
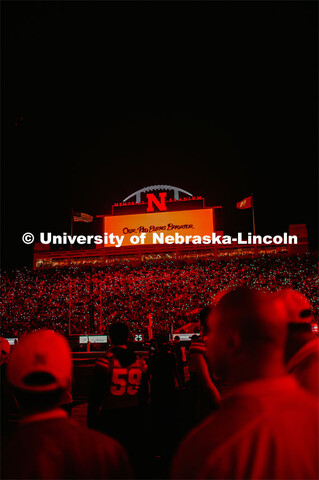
[171, 291]
[251, 399]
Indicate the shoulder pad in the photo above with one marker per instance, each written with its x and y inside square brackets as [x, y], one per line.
[103, 362]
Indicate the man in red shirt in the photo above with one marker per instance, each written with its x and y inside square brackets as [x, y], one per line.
[47, 444]
[267, 427]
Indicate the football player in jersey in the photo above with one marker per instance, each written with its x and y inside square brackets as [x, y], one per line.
[119, 391]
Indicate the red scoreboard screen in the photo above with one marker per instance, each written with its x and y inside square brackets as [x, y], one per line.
[186, 222]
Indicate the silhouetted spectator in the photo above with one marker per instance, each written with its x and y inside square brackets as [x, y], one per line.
[204, 392]
[48, 445]
[179, 360]
[267, 428]
[163, 373]
[5, 349]
[8, 405]
[302, 349]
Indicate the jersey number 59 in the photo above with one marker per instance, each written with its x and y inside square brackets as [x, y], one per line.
[125, 381]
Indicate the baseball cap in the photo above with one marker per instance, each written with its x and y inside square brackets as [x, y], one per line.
[41, 362]
[298, 307]
[5, 346]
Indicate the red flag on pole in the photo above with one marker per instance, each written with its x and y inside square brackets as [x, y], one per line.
[245, 203]
[82, 217]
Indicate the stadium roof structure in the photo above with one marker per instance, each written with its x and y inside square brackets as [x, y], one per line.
[152, 188]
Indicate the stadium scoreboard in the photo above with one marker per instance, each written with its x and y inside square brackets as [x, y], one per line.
[157, 214]
[185, 222]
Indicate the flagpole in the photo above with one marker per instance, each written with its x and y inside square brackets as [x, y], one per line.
[253, 212]
[100, 307]
[70, 306]
[72, 216]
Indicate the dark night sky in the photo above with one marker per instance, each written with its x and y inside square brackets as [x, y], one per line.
[217, 98]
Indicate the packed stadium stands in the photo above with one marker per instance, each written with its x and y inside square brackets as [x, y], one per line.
[172, 291]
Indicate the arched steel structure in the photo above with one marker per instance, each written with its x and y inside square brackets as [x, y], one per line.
[137, 194]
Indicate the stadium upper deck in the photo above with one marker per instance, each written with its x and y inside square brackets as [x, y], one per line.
[163, 211]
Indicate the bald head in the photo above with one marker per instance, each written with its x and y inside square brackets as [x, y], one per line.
[248, 326]
[256, 316]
